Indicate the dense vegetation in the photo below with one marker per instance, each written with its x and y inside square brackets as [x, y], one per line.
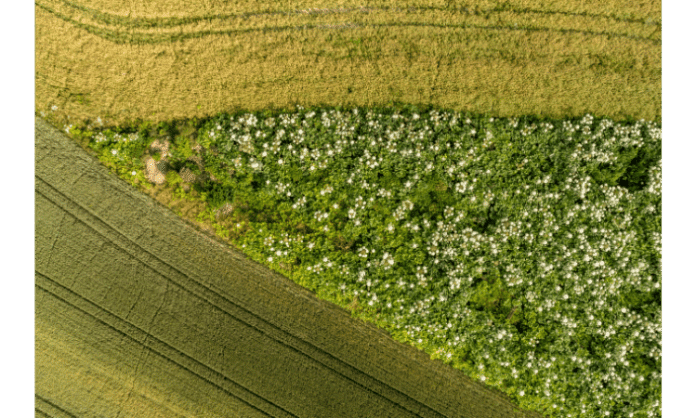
[525, 252]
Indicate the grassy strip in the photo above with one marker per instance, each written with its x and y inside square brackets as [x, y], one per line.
[523, 252]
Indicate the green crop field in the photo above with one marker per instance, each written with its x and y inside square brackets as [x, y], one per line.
[481, 180]
[524, 252]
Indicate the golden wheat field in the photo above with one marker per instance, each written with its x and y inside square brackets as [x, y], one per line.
[163, 60]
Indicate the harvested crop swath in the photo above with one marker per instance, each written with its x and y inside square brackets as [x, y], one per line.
[552, 60]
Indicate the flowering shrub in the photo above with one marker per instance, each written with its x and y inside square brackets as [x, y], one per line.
[526, 253]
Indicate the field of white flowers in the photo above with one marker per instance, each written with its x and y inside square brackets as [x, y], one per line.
[526, 253]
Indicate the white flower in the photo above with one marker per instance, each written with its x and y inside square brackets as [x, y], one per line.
[54, 108]
[114, 152]
[133, 173]
[521, 393]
